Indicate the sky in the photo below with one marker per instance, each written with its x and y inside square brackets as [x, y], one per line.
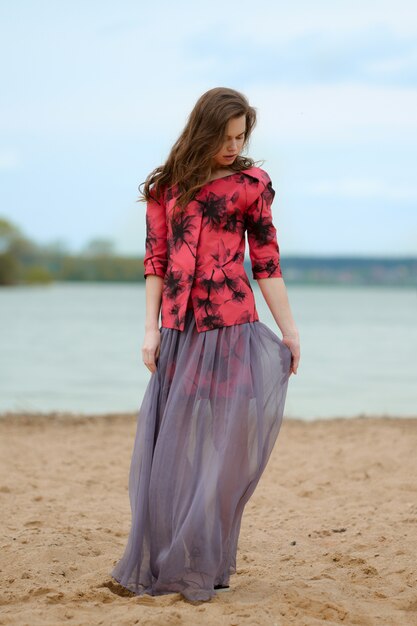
[95, 93]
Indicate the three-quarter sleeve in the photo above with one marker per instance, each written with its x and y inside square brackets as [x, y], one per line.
[155, 260]
[262, 235]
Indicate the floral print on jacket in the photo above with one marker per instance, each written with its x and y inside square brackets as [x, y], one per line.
[200, 253]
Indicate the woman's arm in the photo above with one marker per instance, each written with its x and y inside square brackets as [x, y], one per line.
[153, 291]
[155, 265]
[275, 293]
[266, 268]
[152, 339]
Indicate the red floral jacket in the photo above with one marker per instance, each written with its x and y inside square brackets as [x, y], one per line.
[200, 254]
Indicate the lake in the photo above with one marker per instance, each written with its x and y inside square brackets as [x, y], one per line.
[77, 347]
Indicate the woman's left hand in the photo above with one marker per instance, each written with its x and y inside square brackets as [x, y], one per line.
[293, 343]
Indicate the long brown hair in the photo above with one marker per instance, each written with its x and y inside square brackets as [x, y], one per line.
[189, 164]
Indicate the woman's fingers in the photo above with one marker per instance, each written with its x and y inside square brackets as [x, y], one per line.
[294, 363]
[294, 345]
[149, 361]
[150, 349]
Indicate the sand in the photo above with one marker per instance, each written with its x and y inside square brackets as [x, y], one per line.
[329, 537]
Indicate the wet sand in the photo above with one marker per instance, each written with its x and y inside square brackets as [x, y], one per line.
[329, 536]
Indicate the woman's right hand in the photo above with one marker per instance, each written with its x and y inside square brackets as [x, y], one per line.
[151, 348]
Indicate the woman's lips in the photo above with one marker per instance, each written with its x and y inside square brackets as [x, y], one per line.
[230, 156]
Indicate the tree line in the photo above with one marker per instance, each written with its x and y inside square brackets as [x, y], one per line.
[25, 262]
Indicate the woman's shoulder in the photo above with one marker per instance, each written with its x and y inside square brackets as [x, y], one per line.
[257, 179]
[254, 179]
[257, 175]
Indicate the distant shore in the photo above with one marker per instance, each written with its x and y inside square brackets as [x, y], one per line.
[329, 535]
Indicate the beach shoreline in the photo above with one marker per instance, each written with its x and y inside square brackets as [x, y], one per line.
[328, 537]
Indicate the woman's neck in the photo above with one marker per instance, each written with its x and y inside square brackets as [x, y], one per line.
[220, 172]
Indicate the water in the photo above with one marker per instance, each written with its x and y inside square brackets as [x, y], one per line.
[77, 347]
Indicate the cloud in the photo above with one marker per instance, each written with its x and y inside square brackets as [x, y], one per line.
[348, 111]
[9, 160]
[314, 70]
[364, 188]
[366, 54]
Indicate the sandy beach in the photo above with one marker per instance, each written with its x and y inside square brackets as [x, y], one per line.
[329, 537]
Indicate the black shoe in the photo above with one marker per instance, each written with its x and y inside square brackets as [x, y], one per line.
[221, 587]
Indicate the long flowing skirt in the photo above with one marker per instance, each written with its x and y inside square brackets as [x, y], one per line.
[208, 421]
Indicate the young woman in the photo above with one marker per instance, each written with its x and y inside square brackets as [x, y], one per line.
[214, 404]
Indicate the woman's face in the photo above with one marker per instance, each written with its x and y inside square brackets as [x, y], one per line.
[233, 142]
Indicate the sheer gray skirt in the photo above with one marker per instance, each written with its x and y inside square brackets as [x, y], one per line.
[208, 421]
